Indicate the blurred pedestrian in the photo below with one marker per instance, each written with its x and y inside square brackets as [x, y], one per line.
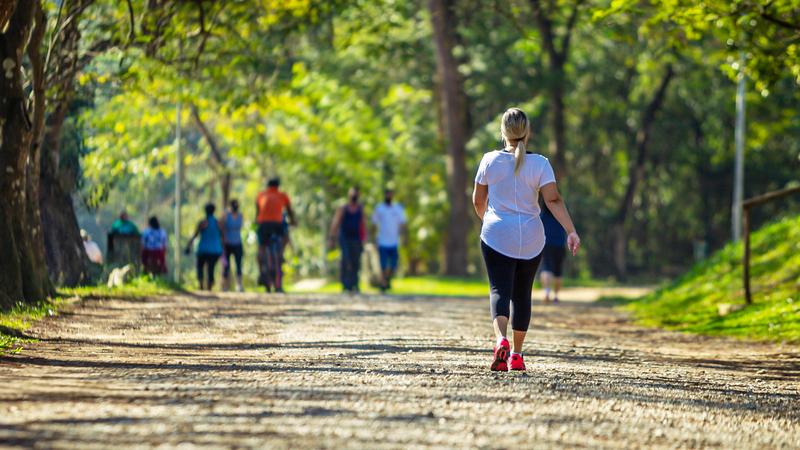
[154, 248]
[350, 229]
[124, 226]
[232, 235]
[209, 249]
[552, 256]
[92, 249]
[390, 220]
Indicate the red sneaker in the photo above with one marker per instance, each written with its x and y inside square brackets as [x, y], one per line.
[501, 355]
[517, 363]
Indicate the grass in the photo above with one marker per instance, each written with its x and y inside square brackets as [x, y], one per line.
[15, 322]
[690, 303]
[441, 286]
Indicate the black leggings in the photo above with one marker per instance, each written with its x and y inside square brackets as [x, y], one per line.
[510, 283]
[209, 261]
[237, 252]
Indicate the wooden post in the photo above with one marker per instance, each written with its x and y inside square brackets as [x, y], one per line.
[746, 272]
[746, 205]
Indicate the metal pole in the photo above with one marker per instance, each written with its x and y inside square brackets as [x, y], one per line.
[178, 178]
[738, 180]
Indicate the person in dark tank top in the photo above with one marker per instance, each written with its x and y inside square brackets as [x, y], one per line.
[349, 228]
[232, 235]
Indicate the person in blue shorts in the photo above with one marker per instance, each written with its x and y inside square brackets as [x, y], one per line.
[555, 249]
[390, 220]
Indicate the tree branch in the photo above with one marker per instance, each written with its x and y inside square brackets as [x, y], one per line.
[570, 26]
[211, 140]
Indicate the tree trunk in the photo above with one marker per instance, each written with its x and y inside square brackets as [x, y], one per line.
[21, 278]
[636, 174]
[557, 55]
[456, 126]
[67, 261]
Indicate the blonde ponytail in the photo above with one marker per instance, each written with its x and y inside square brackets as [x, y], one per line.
[514, 127]
[519, 156]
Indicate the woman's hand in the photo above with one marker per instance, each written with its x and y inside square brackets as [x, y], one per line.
[573, 243]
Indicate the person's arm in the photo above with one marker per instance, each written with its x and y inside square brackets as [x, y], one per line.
[334, 230]
[555, 203]
[480, 199]
[290, 212]
[191, 239]
[363, 226]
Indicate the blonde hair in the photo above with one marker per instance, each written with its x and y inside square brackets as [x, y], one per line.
[515, 129]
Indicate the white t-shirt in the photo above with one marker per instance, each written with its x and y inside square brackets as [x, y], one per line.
[388, 219]
[511, 224]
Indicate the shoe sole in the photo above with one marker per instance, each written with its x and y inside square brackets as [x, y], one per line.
[500, 359]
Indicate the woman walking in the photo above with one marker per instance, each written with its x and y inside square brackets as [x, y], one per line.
[505, 197]
[232, 234]
[209, 249]
[154, 248]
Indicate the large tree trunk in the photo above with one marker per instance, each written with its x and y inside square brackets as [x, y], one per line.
[22, 277]
[636, 174]
[456, 127]
[66, 258]
[67, 262]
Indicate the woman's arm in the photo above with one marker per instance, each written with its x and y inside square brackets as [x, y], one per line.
[334, 230]
[552, 198]
[480, 198]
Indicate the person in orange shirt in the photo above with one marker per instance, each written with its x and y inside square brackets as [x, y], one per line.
[270, 205]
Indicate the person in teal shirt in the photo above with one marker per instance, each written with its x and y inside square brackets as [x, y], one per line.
[124, 226]
[209, 249]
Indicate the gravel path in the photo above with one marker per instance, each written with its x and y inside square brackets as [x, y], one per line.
[240, 371]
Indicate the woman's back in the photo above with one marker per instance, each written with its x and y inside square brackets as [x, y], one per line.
[210, 237]
[511, 224]
[233, 228]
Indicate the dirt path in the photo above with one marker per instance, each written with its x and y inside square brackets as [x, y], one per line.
[238, 371]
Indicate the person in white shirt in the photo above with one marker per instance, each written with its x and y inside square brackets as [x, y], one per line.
[505, 197]
[390, 220]
[92, 249]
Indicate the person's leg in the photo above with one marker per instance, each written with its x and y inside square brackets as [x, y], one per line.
[238, 253]
[212, 263]
[383, 256]
[521, 299]
[199, 261]
[226, 263]
[355, 252]
[547, 282]
[391, 267]
[500, 270]
[344, 265]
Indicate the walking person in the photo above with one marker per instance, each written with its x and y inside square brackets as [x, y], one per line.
[505, 196]
[350, 228]
[390, 220]
[209, 249]
[232, 240]
[270, 206]
[154, 248]
[552, 256]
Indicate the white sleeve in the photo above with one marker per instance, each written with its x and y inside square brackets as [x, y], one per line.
[480, 177]
[547, 175]
[402, 215]
[375, 216]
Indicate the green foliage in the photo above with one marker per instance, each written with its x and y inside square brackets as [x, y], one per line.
[333, 94]
[690, 303]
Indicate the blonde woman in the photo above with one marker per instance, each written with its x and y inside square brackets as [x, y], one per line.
[505, 197]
